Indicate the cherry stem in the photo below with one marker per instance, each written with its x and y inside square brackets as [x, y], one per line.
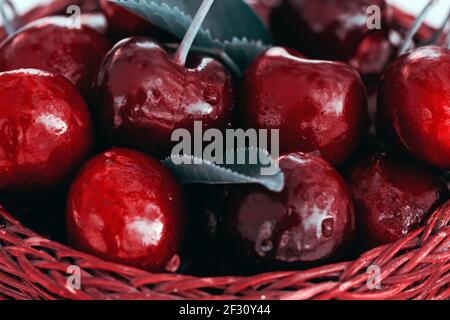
[7, 22]
[438, 34]
[216, 53]
[185, 46]
[416, 27]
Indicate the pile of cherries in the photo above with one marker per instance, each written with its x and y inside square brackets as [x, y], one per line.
[85, 123]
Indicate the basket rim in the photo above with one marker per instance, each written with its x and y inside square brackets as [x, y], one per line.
[417, 266]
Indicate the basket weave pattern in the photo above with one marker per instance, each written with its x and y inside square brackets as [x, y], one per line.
[416, 267]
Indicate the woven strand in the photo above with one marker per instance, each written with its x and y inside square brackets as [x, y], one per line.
[416, 267]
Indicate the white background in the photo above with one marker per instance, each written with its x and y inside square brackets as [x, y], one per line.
[436, 16]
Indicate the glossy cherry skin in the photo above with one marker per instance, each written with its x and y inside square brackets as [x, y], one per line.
[392, 196]
[143, 95]
[45, 8]
[372, 57]
[50, 45]
[414, 105]
[326, 29]
[317, 105]
[311, 220]
[45, 131]
[126, 207]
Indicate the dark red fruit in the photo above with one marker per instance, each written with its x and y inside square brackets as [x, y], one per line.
[143, 95]
[327, 29]
[50, 45]
[374, 53]
[392, 197]
[29, 11]
[311, 220]
[317, 105]
[45, 131]
[414, 101]
[124, 23]
[126, 207]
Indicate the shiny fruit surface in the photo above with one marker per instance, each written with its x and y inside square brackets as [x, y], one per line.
[143, 95]
[51, 45]
[317, 105]
[413, 105]
[126, 207]
[311, 220]
[45, 131]
[392, 196]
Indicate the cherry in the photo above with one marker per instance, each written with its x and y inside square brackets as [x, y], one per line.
[317, 105]
[413, 105]
[126, 207]
[311, 220]
[143, 94]
[327, 29]
[95, 20]
[51, 45]
[392, 196]
[45, 131]
[374, 53]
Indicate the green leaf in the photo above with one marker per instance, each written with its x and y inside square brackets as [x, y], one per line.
[192, 170]
[231, 25]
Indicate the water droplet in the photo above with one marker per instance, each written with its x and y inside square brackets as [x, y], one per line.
[328, 227]
[263, 243]
[174, 264]
[266, 245]
[211, 95]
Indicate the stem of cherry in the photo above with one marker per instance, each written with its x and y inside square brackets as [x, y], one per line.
[185, 46]
[416, 27]
[7, 22]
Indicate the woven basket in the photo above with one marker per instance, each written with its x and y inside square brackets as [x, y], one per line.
[416, 267]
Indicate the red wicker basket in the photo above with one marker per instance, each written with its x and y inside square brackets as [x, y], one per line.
[416, 267]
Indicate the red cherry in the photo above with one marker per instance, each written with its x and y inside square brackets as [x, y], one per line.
[414, 104]
[50, 45]
[45, 130]
[374, 53]
[327, 29]
[143, 95]
[317, 105]
[126, 207]
[392, 196]
[37, 9]
[311, 220]
[124, 23]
